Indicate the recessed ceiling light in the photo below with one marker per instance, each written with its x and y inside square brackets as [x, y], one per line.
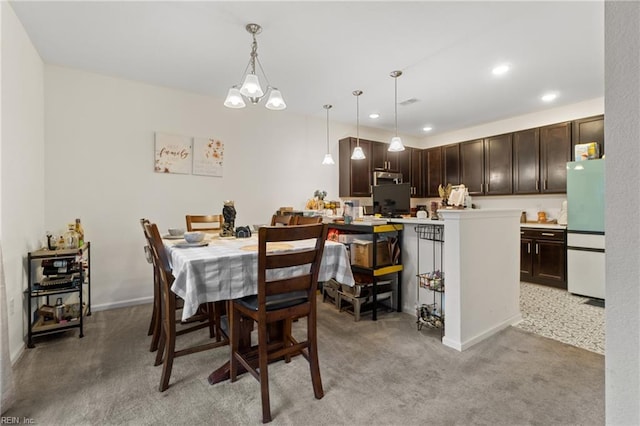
[500, 69]
[548, 97]
[374, 115]
[427, 129]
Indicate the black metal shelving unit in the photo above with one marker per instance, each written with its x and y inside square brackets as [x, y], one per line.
[431, 314]
[75, 278]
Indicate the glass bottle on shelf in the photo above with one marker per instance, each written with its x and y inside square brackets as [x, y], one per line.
[71, 237]
[80, 231]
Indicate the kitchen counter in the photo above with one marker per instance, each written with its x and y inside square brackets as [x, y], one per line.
[543, 225]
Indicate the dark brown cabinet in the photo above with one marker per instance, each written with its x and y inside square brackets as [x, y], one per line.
[498, 165]
[355, 176]
[451, 164]
[379, 158]
[472, 166]
[400, 162]
[555, 152]
[585, 130]
[543, 258]
[486, 165]
[417, 175]
[526, 162]
[433, 171]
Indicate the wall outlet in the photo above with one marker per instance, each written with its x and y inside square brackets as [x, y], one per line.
[11, 307]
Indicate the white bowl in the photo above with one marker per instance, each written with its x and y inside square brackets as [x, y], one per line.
[194, 236]
[176, 232]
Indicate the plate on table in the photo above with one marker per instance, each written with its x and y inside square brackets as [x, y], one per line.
[187, 245]
[172, 237]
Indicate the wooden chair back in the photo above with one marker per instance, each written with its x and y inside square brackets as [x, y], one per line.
[281, 220]
[307, 220]
[208, 315]
[154, 324]
[279, 301]
[205, 223]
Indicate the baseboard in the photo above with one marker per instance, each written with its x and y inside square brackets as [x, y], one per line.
[121, 304]
[461, 346]
[14, 357]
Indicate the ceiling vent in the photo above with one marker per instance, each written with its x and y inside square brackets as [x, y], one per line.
[408, 102]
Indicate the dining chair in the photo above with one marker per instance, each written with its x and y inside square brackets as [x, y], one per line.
[279, 301]
[154, 325]
[306, 220]
[205, 223]
[208, 315]
[282, 220]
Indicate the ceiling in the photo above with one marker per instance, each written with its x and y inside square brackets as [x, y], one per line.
[319, 52]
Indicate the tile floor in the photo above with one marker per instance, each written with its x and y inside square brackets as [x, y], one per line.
[560, 315]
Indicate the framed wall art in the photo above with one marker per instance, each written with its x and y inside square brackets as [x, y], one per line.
[173, 153]
[208, 156]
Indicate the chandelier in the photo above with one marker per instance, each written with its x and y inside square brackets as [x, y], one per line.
[251, 88]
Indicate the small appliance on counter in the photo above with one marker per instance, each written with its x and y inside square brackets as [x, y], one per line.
[562, 216]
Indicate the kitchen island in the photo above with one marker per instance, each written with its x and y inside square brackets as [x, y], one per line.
[481, 270]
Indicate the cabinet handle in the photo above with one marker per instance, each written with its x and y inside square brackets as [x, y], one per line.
[549, 234]
[536, 248]
[528, 248]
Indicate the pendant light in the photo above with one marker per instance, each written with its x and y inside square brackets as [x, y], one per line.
[358, 153]
[328, 159]
[396, 143]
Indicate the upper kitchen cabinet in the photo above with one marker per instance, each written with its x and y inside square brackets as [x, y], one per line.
[400, 162]
[450, 164]
[472, 166]
[379, 158]
[355, 175]
[498, 165]
[433, 171]
[555, 152]
[417, 175]
[526, 162]
[486, 165]
[590, 129]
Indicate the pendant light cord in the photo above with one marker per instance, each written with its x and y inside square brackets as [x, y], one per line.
[396, 103]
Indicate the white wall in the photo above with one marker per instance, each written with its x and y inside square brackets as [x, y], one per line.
[99, 167]
[622, 132]
[22, 165]
[521, 122]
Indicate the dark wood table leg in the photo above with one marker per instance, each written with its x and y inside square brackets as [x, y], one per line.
[223, 372]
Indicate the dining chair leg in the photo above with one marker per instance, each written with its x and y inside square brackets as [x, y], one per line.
[264, 373]
[234, 341]
[314, 362]
[161, 347]
[286, 338]
[167, 365]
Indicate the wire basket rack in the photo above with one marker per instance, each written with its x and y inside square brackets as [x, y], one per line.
[430, 232]
[431, 281]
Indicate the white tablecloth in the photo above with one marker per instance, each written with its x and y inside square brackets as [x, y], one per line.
[228, 269]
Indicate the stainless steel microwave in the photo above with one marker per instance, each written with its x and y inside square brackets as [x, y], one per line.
[381, 177]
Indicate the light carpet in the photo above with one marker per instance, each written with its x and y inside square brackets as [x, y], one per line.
[382, 373]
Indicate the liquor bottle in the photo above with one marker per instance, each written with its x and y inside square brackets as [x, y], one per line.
[80, 232]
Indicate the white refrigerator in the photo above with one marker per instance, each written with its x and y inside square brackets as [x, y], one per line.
[585, 228]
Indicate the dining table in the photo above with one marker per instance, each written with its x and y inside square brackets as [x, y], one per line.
[223, 269]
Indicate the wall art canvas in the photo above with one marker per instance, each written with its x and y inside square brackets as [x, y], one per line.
[208, 156]
[173, 154]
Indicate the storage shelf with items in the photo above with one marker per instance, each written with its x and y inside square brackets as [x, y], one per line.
[375, 254]
[63, 275]
[432, 282]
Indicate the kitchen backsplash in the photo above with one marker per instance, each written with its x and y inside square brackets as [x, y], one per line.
[532, 204]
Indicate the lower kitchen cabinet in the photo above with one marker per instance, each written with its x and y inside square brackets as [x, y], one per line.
[543, 256]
